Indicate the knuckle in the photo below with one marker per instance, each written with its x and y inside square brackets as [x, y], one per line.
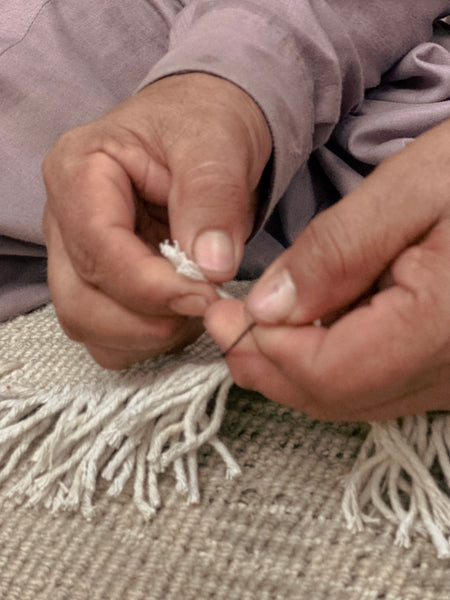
[167, 331]
[70, 325]
[64, 147]
[419, 272]
[416, 268]
[245, 377]
[86, 263]
[92, 254]
[335, 252]
[110, 359]
[226, 181]
[327, 240]
[214, 194]
[64, 160]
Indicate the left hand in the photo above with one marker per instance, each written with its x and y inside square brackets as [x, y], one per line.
[181, 159]
[376, 268]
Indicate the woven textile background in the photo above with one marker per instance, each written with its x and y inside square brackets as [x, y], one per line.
[275, 533]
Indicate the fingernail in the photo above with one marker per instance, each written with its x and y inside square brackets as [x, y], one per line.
[214, 251]
[273, 298]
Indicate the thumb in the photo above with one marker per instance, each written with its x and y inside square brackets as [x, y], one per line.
[345, 249]
[216, 166]
[211, 214]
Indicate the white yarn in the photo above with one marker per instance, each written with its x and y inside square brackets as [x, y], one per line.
[185, 266]
[130, 430]
[392, 478]
[133, 431]
[392, 474]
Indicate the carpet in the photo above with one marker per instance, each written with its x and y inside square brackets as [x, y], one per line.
[276, 532]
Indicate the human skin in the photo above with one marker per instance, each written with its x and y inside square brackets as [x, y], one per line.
[376, 268]
[184, 157]
[181, 160]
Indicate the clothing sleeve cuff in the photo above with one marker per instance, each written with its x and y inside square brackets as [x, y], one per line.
[246, 56]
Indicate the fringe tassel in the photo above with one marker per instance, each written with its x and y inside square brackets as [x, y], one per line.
[132, 428]
[130, 431]
[392, 478]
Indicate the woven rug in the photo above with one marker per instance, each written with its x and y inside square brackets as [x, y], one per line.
[275, 533]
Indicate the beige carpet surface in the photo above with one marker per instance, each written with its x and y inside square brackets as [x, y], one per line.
[275, 533]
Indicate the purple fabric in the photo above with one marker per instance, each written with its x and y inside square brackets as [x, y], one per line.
[306, 63]
[412, 97]
[62, 64]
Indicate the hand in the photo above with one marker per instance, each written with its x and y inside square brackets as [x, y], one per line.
[376, 266]
[182, 160]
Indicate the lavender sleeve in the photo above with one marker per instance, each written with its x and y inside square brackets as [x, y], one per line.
[305, 62]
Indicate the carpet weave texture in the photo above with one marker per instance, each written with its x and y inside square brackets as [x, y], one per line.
[274, 533]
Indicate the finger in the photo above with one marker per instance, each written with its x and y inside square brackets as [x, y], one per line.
[225, 320]
[120, 358]
[89, 316]
[381, 352]
[215, 172]
[278, 362]
[219, 221]
[320, 396]
[98, 228]
[344, 249]
[66, 284]
[113, 359]
[96, 320]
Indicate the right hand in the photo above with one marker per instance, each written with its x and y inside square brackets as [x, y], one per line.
[375, 268]
[181, 159]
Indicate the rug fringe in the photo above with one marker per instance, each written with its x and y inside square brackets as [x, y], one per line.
[133, 429]
[392, 478]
